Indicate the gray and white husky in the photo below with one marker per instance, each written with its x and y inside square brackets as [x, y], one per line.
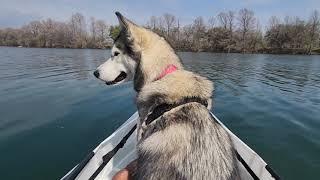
[177, 137]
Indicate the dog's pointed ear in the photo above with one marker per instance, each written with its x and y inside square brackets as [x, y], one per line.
[131, 28]
[123, 22]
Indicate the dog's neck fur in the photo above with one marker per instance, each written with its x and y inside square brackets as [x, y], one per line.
[173, 87]
[154, 53]
[156, 57]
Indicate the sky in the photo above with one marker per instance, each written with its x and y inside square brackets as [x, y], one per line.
[15, 13]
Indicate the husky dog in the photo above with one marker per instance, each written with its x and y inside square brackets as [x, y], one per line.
[177, 136]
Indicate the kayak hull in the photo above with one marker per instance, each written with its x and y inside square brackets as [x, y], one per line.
[251, 165]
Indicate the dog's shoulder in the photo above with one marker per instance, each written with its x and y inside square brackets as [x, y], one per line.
[177, 85]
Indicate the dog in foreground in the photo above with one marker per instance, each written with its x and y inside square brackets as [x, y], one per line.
[177, 137]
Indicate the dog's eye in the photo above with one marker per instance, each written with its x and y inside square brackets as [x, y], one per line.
[116, 53]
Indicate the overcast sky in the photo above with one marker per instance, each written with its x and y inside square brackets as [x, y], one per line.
[15, 13]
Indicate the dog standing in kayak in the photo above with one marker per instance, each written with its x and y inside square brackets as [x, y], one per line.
[177, 137]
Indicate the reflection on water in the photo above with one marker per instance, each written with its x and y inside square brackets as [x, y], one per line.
[53, 111]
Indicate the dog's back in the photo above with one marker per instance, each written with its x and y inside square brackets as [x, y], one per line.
[185, 142]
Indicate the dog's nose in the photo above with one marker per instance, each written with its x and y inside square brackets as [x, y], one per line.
[96, 73]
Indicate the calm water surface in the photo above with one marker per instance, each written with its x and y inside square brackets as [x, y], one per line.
[53, 111]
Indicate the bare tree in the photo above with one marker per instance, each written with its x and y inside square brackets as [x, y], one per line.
[35, 27]
[223, 19]
[102, 33]
[152, 23]
[313, 29]
[199, 31]
[274, 22]
[47, 29]
[297, 33]
[211, 22]
[78, 28]
[169, 21]
[246, 24]
[230, 20]
[186, 37]
[256, 40]
[276, 35]
[93, 28]
[63, 35]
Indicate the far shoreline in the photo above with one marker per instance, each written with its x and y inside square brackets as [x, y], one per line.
[177, 50]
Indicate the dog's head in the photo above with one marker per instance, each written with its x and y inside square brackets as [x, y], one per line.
[120, 67]
[137, 54]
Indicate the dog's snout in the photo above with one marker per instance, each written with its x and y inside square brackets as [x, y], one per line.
[96, 73]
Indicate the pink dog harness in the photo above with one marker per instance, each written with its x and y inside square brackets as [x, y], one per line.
[169, 69]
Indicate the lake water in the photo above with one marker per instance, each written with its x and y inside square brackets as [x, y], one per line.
[53, 111]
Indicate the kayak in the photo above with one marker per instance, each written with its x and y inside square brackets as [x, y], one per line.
[118, 150]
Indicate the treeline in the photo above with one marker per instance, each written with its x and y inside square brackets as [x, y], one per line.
[75, 33]
[241, 32]
[226, 32]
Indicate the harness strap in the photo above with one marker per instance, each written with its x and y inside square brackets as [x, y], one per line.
[162, 108]
[106, 158]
